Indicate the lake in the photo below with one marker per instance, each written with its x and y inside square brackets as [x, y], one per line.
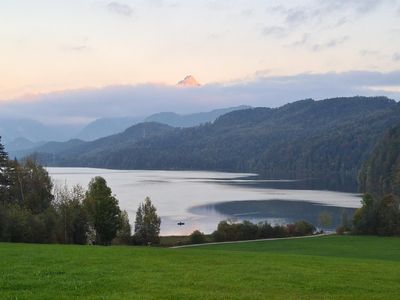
[201, 199]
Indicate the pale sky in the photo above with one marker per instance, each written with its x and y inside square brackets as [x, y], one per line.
[59, 45]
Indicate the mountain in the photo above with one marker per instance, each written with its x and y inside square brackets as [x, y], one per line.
[190, 120]
[380, 175]
[21, 143]
[188, 81]
[55, 153]
[106, 126]
[23, 131]
[306, 139]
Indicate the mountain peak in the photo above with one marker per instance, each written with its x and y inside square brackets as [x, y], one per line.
[189, 81]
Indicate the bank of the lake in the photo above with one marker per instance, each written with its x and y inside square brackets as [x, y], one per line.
[334, 267]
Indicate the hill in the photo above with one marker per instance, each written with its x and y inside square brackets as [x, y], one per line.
[108, 126]
[328, 138]
[380, 175]
[191, 120]
[55, 153]
[13, 130]
[331, 267]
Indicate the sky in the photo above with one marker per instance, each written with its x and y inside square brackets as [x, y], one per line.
[77, 60]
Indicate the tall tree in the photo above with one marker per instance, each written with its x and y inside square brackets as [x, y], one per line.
[33, 186]
[73, 221]
[103, 211]
[147, 224]
[4, 174]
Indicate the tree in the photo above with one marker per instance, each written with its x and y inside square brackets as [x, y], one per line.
[147, 224]
[73, 221]
[197, 237]
[378, 216]
[388, 216]
[303, 228]
[31, 186]
[124, 233]
[365, 218]
[103, 211]
[4, 174]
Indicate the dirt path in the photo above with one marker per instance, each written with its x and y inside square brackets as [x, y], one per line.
[252, 241]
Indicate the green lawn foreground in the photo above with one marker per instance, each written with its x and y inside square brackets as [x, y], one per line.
[341, 267]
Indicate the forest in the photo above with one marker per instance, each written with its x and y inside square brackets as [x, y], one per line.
[305, 139]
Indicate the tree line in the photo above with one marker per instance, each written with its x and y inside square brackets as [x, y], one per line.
[33, 211]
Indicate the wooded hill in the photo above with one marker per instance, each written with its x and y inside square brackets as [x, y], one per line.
[380, 175]
[303, 139]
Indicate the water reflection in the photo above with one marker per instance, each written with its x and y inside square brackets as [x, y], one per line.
[279, 212]
[333, 183]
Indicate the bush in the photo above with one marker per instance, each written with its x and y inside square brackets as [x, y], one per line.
[229, 231]
[303, 228]
[265, 230]
[340, 230]
[197, 237]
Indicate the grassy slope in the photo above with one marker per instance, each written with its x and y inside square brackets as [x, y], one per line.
[327, 267]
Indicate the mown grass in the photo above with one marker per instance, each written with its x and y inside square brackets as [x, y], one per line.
[341, 267]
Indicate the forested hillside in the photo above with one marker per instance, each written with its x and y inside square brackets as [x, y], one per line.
[380, 175]
[306, 138]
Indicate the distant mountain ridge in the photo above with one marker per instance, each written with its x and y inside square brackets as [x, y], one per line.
[190, 120]
[107, 126]
[304, 139]
[21, 137]
[34, 131]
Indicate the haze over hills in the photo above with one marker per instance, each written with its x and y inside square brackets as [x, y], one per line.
[34, 131]
[21, 136]
[107, 126]
[299, 140]
[190, 120]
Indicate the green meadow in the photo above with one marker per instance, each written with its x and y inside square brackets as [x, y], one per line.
[331, 267]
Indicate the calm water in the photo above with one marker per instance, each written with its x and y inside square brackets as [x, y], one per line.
[202, 199]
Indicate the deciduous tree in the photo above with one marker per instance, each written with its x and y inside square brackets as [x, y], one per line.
[147, 224]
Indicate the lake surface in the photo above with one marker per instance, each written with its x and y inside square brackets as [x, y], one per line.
[201, 199]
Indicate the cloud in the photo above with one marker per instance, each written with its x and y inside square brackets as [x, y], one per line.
[274, 31]
[303, 41]
[120, 8]
[323, 12]
[78, 46]
[396, 56]
[296, 16]
[330, 44]
[142, 100]
[366, 52]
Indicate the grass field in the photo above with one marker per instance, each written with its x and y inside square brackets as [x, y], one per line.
[341, 267]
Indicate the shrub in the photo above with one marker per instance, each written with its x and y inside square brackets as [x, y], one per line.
[197, 237]
[303, 228]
